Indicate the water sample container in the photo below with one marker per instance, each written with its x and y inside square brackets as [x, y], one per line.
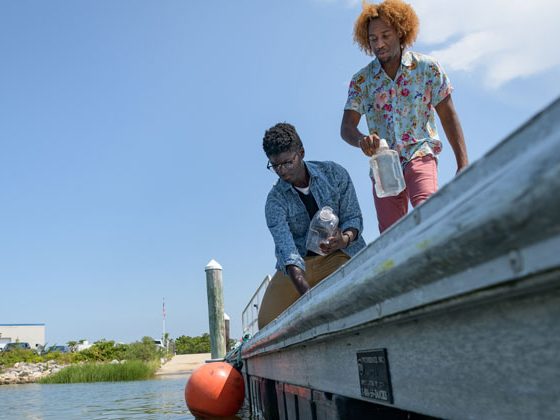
[322, 226]
[387, 171]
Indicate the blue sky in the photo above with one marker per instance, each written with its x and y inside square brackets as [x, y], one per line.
[130, 140]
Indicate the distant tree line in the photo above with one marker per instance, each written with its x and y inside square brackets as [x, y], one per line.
[190, 345]
[106, 350]
[101, 351]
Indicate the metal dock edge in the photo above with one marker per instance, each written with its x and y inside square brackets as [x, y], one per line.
[452, 313]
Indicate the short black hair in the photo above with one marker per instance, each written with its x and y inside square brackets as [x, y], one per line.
[281, 138]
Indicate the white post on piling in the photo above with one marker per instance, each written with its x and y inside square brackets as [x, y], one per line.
[214, 290]
[226, 324]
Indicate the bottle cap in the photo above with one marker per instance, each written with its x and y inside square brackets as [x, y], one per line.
[326, 213]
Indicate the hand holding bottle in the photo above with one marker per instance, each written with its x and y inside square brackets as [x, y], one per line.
[369, 144]
[333, 243]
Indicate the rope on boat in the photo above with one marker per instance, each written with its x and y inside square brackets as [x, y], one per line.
[234, 355]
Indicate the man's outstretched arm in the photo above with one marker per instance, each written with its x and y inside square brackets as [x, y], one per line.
[453, 131]
[297, 275]
[354, 137]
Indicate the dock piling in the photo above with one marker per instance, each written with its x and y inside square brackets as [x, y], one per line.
[214, 290]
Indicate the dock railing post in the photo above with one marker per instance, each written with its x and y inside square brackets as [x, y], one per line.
[214, 290]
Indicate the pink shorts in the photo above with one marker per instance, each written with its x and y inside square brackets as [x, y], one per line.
[420, 176]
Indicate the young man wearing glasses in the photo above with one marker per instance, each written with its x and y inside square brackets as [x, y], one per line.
[301, 190]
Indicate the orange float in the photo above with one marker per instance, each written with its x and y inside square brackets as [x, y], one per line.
[215, 390]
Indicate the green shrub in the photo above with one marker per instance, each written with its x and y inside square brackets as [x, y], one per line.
[101, 351]
[145, 350]
[132, 370]
[190, 345]
[9, 358]
[104, 350]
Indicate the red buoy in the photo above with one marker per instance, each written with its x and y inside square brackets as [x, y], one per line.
[216, 390]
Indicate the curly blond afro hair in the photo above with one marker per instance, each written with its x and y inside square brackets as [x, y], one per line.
[397, 13]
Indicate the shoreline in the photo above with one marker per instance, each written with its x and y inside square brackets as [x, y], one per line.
[182, 364]
[26, 373]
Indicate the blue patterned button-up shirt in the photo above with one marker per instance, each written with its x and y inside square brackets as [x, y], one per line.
[288, 220]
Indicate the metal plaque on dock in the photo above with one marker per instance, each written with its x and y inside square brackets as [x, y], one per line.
[375, 382]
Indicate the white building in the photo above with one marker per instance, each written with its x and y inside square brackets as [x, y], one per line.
[83, 345]
[34, 334]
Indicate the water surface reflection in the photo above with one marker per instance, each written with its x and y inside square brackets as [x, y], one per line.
[153, 399]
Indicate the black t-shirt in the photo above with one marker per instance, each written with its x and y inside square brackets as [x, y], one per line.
[311, 206]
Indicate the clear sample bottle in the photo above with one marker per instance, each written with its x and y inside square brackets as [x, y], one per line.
[322, 226]
[387, 171]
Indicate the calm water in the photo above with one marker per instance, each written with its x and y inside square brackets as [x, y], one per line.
[154, 399]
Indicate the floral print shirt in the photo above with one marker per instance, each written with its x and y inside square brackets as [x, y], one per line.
[402, 110]
[288, 220]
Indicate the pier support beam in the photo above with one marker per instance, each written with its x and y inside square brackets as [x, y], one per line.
[214, 290]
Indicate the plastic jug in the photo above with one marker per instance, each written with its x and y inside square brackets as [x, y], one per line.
[387, 171]
[322, 226]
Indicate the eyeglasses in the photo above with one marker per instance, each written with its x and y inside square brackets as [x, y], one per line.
[289, 164]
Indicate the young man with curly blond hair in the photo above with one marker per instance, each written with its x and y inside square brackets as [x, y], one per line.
[398, 92]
